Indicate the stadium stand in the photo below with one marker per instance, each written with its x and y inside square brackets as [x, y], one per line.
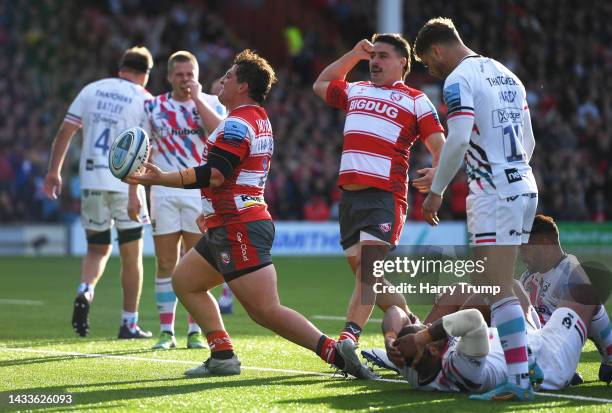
[51, 48]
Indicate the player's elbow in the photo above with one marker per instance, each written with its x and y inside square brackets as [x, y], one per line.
[216, 178]
[319, 87]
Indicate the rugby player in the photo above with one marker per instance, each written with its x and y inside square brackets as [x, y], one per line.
[489, 127]
[178, 137]
[384, 118]
[236, 247]
[103, 109]
[460, 353]
[550, 274]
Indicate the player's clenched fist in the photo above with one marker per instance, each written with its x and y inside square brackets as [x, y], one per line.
[363, 49]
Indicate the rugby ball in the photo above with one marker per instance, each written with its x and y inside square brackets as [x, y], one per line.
[128, 152]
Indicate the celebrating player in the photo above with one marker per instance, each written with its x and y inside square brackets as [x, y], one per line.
[488, 125]
[236, 247]
[384, 118]
[178, 138]
[550, 274]
[103, 109]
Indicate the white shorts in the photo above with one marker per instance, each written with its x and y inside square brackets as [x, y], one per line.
[99, 209]
[557, 347]
[170, 214]
[492, 220]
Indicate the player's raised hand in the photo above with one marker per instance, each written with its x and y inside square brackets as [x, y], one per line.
[424, 182]
[431, 206]
[363, 49]
[149, 175]
[194, 88]
[53, 185]
[407, 346]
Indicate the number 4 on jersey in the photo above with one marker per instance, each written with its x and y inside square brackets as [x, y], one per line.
[102, 141]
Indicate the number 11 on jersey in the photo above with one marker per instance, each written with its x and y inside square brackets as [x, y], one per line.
[512, 138]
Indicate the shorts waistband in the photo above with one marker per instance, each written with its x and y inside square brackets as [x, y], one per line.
[367, 191]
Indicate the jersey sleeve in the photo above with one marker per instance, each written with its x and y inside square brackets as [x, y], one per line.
[235, 137]
[77, 108]
[466, 372]
[428, 121]
[215, 104]
[337, 94]
[458, 97]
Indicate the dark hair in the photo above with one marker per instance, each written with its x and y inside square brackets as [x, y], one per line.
[136, 59]
[438, 30]
[181, 56]
[401, 46]
[545, 226]
[256, 72]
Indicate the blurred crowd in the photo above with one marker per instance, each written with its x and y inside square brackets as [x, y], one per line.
[561, 49]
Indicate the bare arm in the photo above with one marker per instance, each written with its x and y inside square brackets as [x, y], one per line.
[434, 144]
[153, 175]
[394, 320]
[53, 180]
[339, 69]
[210, 118]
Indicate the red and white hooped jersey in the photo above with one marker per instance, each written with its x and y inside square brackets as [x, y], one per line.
[247, 133]
[382, 123]
[177, 136]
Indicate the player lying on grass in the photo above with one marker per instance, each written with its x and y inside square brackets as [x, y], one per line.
[450, 303]
[460, 353]
[236, 247]
[550, 273]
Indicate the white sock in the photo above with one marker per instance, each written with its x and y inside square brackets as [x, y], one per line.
[130, 320]
[87, 289]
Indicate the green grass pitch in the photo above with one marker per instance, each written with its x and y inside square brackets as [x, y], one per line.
[40, 354]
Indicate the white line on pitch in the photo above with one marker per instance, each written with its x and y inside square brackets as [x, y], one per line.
[338, 318]
[11, 301]
[310, 373]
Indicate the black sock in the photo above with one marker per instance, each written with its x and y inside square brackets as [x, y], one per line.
[351, 329]
[222, 355]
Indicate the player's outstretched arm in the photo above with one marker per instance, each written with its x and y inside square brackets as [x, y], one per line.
[202, 176]
[53, 180]
[394, 320]
[339, 69]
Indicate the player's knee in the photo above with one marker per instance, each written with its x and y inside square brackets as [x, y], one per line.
[129, 235]
[166, 265]
[263, 316]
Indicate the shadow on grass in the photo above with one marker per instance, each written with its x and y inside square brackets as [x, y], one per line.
[66, 357]
[91, 394]
[375, 396]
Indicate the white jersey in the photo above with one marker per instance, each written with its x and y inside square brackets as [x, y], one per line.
[178, 137]
[465, 373]
[104, 109]
[501, 143]
[547, 289]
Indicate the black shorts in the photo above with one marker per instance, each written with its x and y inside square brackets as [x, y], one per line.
[374, 211]
[238, 249]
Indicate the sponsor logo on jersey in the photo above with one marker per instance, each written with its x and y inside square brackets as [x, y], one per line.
[513, 175]
[396, 96]
[501, 116]
[187, 131]
[375, 107]
[250, 200]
